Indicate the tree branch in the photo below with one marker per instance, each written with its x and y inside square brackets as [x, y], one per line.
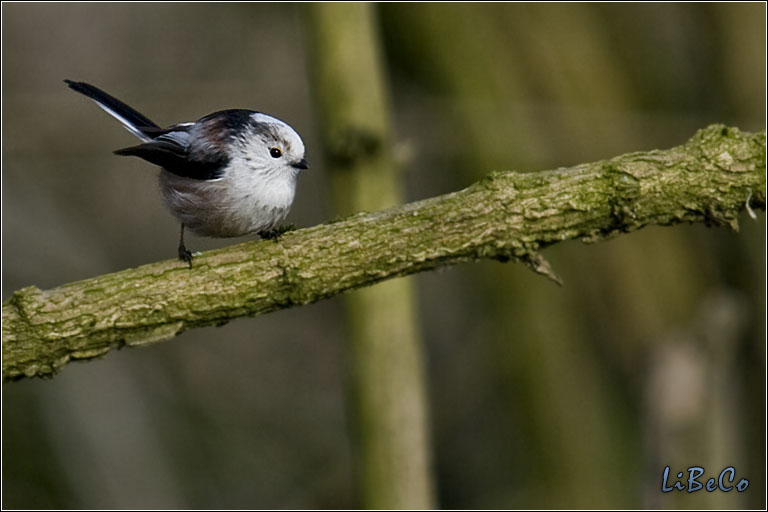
[711, 178]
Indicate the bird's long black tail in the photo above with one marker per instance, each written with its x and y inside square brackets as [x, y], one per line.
[133, 121]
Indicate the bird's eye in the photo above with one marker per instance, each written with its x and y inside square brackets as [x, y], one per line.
[275, 152]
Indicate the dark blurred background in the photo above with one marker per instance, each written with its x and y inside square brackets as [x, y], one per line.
[652, 354]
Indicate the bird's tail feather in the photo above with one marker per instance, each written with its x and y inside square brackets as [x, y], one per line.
[133, 121]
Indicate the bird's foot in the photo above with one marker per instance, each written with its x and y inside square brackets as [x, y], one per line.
[185, 255]
[274, 234]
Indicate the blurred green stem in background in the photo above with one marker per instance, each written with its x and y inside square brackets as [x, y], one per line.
[386, 388]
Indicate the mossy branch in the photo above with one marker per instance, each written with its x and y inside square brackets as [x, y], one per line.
[506, 216]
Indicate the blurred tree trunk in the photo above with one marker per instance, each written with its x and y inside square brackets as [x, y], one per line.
[387, 397]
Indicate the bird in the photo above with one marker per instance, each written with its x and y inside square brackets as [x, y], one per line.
[230, 173]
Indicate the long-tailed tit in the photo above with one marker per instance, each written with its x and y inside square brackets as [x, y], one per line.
[231, 173]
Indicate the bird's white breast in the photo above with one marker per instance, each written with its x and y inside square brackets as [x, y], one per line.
[246, 199]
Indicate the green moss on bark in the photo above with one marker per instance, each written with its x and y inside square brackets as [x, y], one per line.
[710, 179]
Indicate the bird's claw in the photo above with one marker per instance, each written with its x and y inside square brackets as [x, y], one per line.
[275, 234]
[185, 255]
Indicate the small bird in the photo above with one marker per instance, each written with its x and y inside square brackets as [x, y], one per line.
[230, 173]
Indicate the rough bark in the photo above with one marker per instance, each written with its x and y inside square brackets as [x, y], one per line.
[506, 216]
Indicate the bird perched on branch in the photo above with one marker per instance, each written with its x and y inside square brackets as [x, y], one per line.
[230, 173]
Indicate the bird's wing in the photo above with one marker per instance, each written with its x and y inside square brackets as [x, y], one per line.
[171, 152]
[193, 150]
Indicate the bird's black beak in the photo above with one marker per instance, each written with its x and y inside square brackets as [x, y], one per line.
[301, 164]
